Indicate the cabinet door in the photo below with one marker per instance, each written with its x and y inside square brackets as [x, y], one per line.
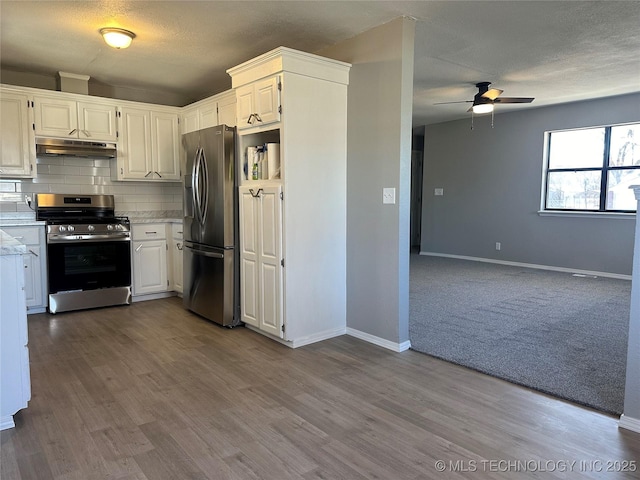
[208, 115]
[97, 122]
[270, 254]
[149, 267]
[227, 111]
[177, 264]
[165, 147]
[245, 106]
[55, 117]
[249, 257]
[17, 156]
[134, 148]
[260, 258]
[190, 120]
[33, 277]
[267, 101]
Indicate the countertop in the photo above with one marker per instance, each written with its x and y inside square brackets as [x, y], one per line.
[12, 219]
[10, 246]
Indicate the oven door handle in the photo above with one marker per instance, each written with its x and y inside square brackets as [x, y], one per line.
[123, 237]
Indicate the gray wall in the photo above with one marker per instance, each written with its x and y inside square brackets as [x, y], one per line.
[378, 155]
[98, 89]
[492, 188]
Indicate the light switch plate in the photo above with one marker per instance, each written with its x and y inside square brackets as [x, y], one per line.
[388, 195]
[438, 192]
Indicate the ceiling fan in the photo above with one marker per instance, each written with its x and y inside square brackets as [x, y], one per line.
[486, 98]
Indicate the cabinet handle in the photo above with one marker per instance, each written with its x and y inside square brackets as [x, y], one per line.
[87, 134]
[158, 174]
[179, 246]
[256, 194]
[139, 247]
[250, 117]
[258, 117]
[18, 238]
[150, 233]
[148, 173]
[73, 131]
[33, 253]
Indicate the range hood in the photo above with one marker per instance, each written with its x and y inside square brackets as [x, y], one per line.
[74, 148]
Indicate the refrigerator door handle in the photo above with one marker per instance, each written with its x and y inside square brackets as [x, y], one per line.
[195, 184]
[203, 253]
[204, 195]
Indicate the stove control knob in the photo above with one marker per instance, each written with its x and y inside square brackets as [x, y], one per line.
[91, 228]
[62, 228]
[120, 227]
[71, 228]
[109, 227]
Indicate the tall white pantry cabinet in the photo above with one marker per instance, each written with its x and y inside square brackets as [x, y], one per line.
[293, 226]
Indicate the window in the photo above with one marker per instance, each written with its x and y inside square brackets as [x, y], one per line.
[592, 169]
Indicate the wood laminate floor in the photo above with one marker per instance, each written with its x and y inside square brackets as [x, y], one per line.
[150, 391]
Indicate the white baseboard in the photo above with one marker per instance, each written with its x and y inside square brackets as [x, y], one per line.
[32, 310]
[629, 423]
[152, 296]
[300, 342]
[531, 265]
[381, 342]
[7, 422]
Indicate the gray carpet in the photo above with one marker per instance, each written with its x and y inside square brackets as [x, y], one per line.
[550, 331]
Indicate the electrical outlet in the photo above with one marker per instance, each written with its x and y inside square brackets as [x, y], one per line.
[498, 245]
[438, 192]
[388, 195]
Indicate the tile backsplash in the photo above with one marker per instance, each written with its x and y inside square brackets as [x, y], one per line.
[89, 176]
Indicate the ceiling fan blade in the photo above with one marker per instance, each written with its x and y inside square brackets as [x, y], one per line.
[514, 100]
[446, 103]
[492, 93]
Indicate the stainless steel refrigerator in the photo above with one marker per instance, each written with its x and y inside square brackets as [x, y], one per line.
[210, 254]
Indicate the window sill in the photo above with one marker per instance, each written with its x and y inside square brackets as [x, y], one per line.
[554, 213]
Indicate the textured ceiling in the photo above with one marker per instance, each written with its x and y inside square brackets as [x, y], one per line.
[558, 51]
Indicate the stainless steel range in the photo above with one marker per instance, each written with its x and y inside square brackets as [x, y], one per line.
[88, 251]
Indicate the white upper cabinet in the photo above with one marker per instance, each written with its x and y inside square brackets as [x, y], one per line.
[216, 110]
[227, 109]
[149, 148]
[259, 103]
[17, 153]
[63, 118]
[165, 145]
[97, 121]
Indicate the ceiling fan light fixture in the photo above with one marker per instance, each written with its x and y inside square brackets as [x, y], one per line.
[482, 108]
[117, 37]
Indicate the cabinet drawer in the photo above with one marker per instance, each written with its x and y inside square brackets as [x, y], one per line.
[149, 231]
[176, 230]
[26, 235]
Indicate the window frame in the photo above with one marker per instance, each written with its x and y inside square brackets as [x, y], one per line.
[603, 169]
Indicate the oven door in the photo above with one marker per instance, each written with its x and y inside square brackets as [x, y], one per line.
[88, 265]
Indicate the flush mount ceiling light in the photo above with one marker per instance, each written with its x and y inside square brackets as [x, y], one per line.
[117, 37]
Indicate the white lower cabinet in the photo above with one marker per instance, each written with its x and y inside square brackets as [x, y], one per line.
[176, 256]
[35, 265]
[15, 382]
[149, 258]
[261, 258]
